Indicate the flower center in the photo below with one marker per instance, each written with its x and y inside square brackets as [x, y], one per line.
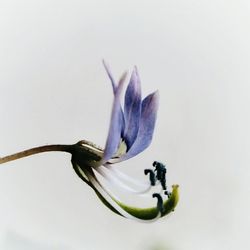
[122, 149]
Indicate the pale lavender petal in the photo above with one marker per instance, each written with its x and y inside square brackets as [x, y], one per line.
[115, 127]
[122, 119]
[132, 109]
[106, 66]
[114, 86]
[147, 125]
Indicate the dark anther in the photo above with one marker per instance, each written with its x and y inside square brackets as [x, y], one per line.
[167, 193]
[163, 183]
[155, 163]
[160, 173]
[160, 170]
[151, 176]
[160, 206]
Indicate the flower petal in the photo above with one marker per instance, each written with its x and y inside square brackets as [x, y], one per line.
[132, 109]
[106, 66]
[115, 86]
[116, 125]
[112, 178]
[146, 126]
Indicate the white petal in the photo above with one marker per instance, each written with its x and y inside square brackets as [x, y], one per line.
[125, 177]
[112, 178]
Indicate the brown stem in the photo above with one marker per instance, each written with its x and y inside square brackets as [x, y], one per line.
[37, 150]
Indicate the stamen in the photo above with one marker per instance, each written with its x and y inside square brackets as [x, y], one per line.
[151, 176]
[160, 173]
[160, 206]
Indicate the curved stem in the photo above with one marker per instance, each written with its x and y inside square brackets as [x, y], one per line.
[37, 150]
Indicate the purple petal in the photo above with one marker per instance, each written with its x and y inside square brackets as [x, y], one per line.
[146, 127]
[122, 119]
[132, 109]
[114, 85]
[116, 125]
[106, 66]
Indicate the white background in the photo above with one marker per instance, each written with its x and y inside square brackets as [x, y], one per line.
[53, 89]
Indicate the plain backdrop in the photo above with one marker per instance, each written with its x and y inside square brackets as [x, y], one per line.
[53, 89]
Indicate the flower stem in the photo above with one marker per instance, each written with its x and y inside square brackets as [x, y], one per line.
[37, 150]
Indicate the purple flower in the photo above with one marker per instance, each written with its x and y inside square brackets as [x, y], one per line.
[131, 129]
[130, 132]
